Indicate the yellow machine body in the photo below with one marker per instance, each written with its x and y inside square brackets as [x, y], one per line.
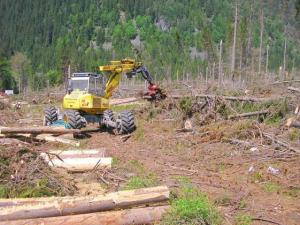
[84, 100]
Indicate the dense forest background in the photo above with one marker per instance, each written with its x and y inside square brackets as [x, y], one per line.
[40, 38]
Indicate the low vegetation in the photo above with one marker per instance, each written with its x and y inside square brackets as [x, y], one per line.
[191, 206]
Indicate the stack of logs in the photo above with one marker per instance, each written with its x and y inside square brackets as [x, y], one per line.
[88, 210]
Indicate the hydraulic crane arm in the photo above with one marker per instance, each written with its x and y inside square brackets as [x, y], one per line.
[116, 68]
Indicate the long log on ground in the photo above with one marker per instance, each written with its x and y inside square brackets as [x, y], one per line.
[294, 89]
[51, 138]
[148, 215]
[230, 98]
[257, 113]
[36, 130]
[281, 143]
[285, 82]
[33, 201]
[74, 206]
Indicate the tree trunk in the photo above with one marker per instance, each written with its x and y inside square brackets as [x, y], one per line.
[248, 114]
[148, 215]
[267, 61]
[234, 40]
[89, 204]
[261, 39]
[220, 62]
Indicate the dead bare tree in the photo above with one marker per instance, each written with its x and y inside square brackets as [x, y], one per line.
[234, 40]
[261, 39]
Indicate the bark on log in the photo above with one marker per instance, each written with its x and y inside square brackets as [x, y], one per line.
[36, 130]
[32, 201]
[148, 215]
[89, 204]
[294, 89]
[264, 112]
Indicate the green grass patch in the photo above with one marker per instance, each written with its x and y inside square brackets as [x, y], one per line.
[137, 182]
[257, 177]
[243, 219]
[242, 204]
[271, 187]
[191, 206]
[294, 134]
[153, 112]
[141, 178]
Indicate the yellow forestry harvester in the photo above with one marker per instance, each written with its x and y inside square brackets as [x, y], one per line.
[87, 98]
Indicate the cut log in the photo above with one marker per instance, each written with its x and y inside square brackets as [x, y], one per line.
[292, 122]
[79, 153]
[229, 98]
[285, 82]
[35, 201]
[36, 130]
[257, 113]
[294, 89]
[89, 204]
[148, 215]
[51, 138]
[79, 162]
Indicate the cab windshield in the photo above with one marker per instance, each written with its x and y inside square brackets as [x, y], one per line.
[80, 84]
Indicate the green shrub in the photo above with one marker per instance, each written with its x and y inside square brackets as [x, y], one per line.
[192, 207]
[243, 219]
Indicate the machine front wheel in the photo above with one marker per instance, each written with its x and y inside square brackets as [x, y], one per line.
[73, 119]
[125, 123]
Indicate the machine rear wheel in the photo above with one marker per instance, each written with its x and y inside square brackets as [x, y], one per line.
[125, 123]
[73, 119]
[50, 115]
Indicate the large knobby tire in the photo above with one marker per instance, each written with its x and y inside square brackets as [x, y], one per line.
[108, 115]
[73, 119]
[125, 123]
[50, 115]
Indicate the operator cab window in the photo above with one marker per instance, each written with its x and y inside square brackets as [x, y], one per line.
[80, 83]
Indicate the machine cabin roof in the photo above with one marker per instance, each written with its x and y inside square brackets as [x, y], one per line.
[86, 75]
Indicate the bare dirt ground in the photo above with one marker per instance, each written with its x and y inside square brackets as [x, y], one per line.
[261, 180]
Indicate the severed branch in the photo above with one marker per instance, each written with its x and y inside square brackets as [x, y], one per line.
[294, 89]
[264, 112]
[281, 143]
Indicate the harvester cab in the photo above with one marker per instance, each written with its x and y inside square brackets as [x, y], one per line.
[87, 82]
